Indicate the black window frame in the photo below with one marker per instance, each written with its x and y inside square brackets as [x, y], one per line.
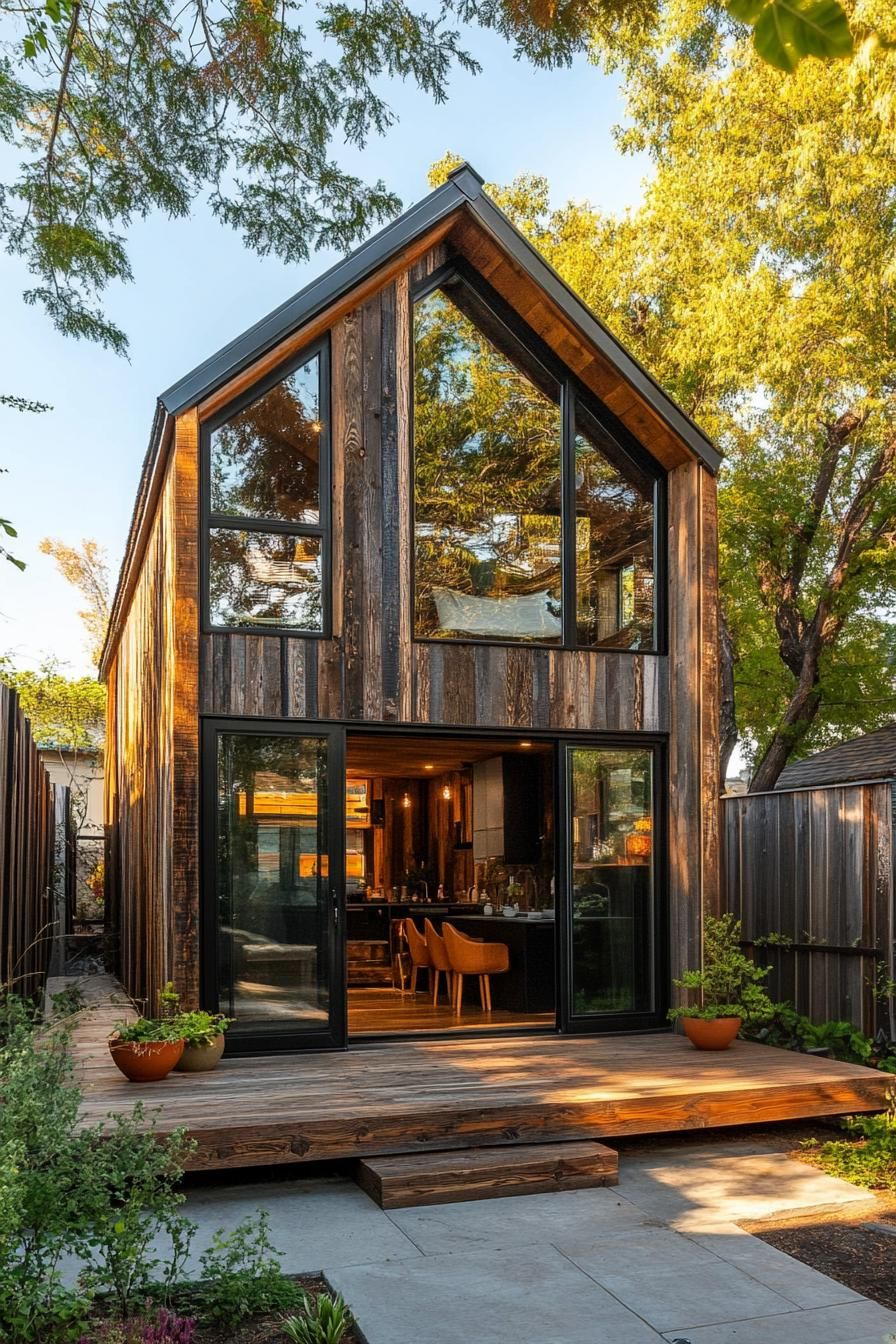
[209, 520]
[520, 337]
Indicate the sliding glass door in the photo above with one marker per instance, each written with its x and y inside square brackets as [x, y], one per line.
[274, 859]
[612, 924]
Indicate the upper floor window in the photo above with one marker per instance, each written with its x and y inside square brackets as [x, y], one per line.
[268, 491]
[531, 521]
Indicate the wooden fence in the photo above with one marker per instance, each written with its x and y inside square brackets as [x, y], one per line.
[814, 868]
[27, 842]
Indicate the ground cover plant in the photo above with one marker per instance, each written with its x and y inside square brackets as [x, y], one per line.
[110, 1195]
[870, 1159]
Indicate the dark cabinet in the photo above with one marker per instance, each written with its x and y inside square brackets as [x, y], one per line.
[507, 817]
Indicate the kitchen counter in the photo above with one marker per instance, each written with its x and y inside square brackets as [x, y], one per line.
[528, 986]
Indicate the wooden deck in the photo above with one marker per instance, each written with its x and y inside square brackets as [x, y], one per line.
[429, 1094]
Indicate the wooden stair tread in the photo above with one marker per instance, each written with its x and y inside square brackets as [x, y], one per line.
[407, 1179]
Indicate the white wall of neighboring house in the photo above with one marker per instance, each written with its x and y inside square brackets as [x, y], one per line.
[82, 771]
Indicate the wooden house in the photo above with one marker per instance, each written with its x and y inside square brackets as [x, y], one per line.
[417, 624]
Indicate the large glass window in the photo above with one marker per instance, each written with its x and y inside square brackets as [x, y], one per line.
[272, 880]
[611, 866]
[267, 487]
[488, 447]
[498, 438]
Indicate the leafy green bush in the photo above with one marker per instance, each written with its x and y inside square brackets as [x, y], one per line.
[729, 984]
[241, 1276]
[871, 1162]
[101, 1194]
[39, 1185]
[323, 1320]
[129, 1200]
[200, 1028]
[148, 1030]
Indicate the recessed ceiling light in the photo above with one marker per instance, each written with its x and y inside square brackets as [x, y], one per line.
[429, 767]
[525, 744]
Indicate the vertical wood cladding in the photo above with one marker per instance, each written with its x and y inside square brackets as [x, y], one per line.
[152, 748]
[371, 670]
[816, 866]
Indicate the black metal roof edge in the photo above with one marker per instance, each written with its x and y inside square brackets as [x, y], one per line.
[156, 435]
[322, 292]
[544, 275]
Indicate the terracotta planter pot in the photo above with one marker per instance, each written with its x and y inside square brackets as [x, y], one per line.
[201, 1058]
[145, 1061]
[714, 1033]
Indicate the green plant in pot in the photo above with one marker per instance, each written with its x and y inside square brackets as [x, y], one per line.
[146, 1050]
[730, 988]
[203, 1035]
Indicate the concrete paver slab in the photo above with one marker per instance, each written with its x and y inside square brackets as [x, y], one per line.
[528, 1295]
[848, 1324]
[575, 1216]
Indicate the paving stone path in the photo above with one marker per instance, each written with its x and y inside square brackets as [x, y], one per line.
[660, 1257]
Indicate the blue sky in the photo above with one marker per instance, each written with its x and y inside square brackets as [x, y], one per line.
[72, 473]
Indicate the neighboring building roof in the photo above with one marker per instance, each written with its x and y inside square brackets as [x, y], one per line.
[870, 757]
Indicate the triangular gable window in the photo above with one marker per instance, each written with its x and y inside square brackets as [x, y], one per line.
[532, 522]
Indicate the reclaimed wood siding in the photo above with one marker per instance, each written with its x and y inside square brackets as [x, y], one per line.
[371, 670]
[816, 867]
[694, 710]
[152, 750]
[27, 853]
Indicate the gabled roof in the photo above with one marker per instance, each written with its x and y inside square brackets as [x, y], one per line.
[462, 194]
[862, 758]
[463, 189]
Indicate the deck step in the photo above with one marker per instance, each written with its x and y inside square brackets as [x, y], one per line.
[408, 1179]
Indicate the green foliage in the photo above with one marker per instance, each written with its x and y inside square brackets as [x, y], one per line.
[872, 1161]
[241, 1276]
[148, 1030]
[785, 31]
[129, 1199]
[323, 1320]
[63, 711]
[730, 983]
[200, 1028]
[114, 111]
[39, 1178]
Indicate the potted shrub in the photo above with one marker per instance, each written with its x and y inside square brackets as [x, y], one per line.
[146, 1050]
[730, 988]
[203, 1035]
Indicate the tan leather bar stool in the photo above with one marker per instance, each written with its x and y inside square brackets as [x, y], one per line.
[438, 955]
[470, 957]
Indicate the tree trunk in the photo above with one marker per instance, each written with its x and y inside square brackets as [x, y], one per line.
[795, 722]
[727, 711]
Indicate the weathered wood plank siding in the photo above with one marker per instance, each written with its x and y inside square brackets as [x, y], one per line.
[27, 843]
[693, 740]
[816, 867]
[152, 749]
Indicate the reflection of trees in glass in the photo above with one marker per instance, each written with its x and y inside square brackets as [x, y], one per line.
[487, 466]
[487, 436]
[264, 579]
[614, 548]
[265, 461]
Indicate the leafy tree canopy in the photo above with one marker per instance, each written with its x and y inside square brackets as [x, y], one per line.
[757, 283]
[64, 712]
